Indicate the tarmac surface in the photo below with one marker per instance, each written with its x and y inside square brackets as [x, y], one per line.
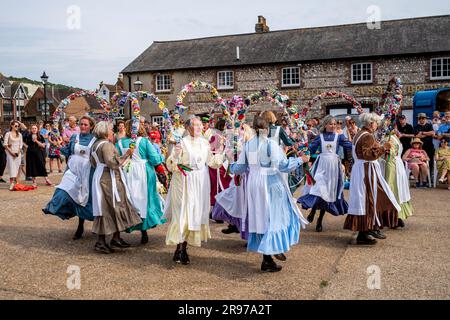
[37, 256]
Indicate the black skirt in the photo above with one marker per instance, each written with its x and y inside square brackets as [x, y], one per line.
[35, 161]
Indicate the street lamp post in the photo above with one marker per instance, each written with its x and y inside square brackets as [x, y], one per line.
[138, 85]
[44, 79]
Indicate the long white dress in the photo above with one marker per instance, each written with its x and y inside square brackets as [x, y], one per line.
[15, 144]
[136, 179]
[188, 199]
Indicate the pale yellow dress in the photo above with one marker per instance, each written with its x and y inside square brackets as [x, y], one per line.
[188, 200]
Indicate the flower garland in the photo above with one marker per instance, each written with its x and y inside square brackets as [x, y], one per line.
[283, 102]
[195, 85]
[120, 99]
[108, 110]
[391, 101]
[332, 94]
[390, 106]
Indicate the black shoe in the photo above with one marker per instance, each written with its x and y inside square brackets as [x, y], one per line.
[319, 228]
[2, 181]
[270, 266]
[144, 238]
[79, 234]
[280, 257]
[105, 249]
[231, 229]
[401, 223]
[377, 235]
[119, 244]
[184, 257]
[177, 256]
[365, 239]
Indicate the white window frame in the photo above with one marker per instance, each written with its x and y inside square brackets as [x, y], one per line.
[442, 68]
[163, 89]
[2, 90]
[225, 86]
[290, 85]
[353, 81]
[159, 120]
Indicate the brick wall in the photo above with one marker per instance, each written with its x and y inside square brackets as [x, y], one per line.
[315, 79]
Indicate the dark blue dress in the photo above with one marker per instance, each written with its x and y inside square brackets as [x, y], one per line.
[62, 205]
[340, 206]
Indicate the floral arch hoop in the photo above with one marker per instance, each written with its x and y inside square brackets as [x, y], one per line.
[120, 99]
[180, 108]
[280, 100]
[331, 94]
[108, 111]
[390, 106]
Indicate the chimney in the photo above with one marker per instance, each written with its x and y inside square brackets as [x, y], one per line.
[261, 26]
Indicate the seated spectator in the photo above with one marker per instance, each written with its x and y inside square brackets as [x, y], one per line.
[417, 159]
[444, 128]
[443, 161]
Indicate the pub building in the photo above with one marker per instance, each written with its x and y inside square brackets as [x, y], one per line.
[355, 59]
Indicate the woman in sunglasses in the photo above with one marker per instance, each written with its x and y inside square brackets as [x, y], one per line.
[13, 144]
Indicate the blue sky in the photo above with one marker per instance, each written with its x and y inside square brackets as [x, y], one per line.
[34, 35]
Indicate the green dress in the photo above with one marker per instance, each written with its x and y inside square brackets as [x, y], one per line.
[154, 205]
[391, 178]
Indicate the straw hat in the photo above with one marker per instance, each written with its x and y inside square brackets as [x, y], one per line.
[417, 140]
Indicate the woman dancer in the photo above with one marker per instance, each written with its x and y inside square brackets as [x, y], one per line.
[372, 205]
[274, 218]
[73, 196]
[327, 194]
[141, 180]
[398, 180]
[112, 206]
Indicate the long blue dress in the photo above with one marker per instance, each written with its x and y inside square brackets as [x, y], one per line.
[62, 205]
[273, 217]
[309, 201]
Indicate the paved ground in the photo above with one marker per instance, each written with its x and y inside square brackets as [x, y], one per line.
[36, 251]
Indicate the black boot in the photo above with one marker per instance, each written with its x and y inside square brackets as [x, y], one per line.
[268, 265]
[144, 237]
[401, 223]
[319, 227]
[177, 255]
[231, 229]
[365, 239]
[79, 233]
[311, 216]
[184, 257]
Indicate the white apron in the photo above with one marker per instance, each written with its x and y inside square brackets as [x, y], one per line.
[327, 170]
[97, 193]
[258, 203]
[280, 143]
[357, 201]
[136, 179]
[404, 194]
[76, 179]
[232, 200]
[195, 192]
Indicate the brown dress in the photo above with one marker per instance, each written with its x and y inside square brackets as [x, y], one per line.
[369, 149]
[123, 216]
